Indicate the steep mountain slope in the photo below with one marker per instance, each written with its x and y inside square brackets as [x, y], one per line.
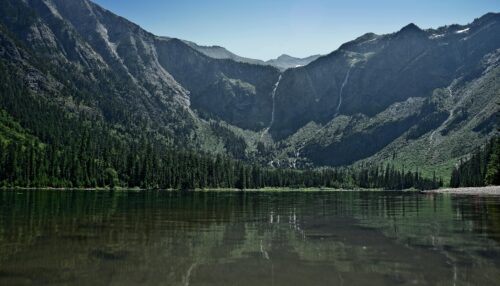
[99, 66]
[90, 78]
[468, 111]
[376, 95]
[371, 73]
[430, 132]
[155, 60]
[238, 93]
[419, 132]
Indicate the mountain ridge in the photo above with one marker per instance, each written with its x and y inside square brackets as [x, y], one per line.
[283, 62]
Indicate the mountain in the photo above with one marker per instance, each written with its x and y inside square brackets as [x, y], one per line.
[418, 98]
[285, 62]
[384, 94]
[218, 52]
[90, 63]
[65, 53]
[369, 74]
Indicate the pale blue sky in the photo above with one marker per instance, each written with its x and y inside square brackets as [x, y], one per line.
[264, 29]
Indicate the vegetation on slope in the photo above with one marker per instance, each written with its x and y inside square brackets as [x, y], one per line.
[482, 169]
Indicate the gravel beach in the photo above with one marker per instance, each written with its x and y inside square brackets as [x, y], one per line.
[491, 190]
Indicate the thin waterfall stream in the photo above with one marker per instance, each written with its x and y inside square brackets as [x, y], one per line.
[344, 83]
[273, 96]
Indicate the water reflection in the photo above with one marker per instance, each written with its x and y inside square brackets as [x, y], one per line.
[179, 238]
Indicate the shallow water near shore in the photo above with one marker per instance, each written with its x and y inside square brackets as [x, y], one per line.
[238, 238]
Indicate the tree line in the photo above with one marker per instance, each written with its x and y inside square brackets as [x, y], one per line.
[481, 169]
[145, 164]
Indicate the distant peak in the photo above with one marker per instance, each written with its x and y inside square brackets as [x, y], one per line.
[368, 35]
[285, 56]
[487, 18]
[490, 15]
[411, 28]
[359, 40]
[365, 37]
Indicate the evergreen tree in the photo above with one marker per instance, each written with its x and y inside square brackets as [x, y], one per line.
[493, 170]
[481, 169]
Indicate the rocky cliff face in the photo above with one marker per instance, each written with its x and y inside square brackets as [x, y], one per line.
[372, 98]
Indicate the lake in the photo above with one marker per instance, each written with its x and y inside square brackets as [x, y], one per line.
[254, 238]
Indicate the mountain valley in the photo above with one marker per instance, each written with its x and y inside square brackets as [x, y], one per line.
[422, 99]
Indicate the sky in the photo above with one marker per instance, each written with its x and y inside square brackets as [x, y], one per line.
[265, 29]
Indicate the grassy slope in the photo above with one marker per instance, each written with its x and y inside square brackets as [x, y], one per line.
[11, 131]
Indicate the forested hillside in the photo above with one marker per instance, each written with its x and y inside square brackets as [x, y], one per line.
[481, 169]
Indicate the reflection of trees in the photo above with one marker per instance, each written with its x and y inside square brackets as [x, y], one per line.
[494, 221]
[482, 212]
[444, 224]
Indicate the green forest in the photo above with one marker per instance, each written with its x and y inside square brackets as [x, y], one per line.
[96, 159]
[481, 169]
[90, 156]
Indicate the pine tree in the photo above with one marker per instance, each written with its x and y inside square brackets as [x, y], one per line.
[493, 169]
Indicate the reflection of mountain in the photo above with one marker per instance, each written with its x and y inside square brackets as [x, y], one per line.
[248, 239]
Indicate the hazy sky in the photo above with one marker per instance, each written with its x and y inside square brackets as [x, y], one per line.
[265, 29]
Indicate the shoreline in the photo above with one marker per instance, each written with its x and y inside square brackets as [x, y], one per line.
[267, 189]
[489, 190]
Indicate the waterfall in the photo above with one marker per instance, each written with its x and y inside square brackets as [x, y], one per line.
[346, 80]
[344, 83]
[450, 116]
[273, 96]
